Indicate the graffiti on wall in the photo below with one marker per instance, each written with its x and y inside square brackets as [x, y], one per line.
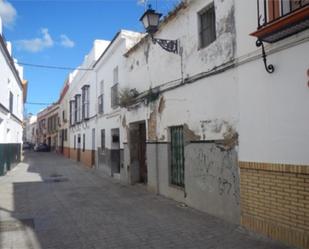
[216, 172]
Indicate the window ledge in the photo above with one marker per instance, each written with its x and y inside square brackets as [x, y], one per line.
[286, 26]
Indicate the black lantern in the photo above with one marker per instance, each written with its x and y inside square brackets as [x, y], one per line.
[151, 20]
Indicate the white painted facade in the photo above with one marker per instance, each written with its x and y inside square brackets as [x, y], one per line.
[81, 78]
[11, 75]
[110, 71]
[273, 107]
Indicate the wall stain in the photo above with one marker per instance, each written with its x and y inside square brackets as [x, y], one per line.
[190, 135]
[161, 105]
[215, 171]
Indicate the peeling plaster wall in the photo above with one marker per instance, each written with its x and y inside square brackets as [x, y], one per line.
[150, 65]
[212, 180]
[207, 109]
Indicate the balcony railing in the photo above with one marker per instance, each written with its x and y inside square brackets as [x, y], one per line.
[278, 19]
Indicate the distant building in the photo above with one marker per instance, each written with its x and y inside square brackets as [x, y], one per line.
[48, 126]
[30, 129]
[12, 97]
[63, 137]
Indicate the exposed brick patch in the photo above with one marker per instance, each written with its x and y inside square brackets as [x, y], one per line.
[275, 201]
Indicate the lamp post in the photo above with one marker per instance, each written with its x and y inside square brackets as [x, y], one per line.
[151, 20]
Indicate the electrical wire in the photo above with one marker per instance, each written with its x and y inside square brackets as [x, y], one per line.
[54, 67]
[37, 103]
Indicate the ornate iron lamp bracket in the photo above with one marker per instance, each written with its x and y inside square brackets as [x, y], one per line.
[269, 68]
[168, 45]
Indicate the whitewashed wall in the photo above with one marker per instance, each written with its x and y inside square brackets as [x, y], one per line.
[114, 57]
[273, 107]
[207, 102]
[81, 78]
[10, 129]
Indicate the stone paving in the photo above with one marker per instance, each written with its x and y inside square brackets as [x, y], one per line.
[83, 209]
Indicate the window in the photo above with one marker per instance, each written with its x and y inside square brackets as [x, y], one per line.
[101, 98]
[85, 100]
[77, 108]
[207, 26]
[11, 102]
[74, 142]
[103, 140]
[84, 141]
[177, 156]
[114, 96]
[72, 112]
[115, 75]
[114, 89]
[65, 135]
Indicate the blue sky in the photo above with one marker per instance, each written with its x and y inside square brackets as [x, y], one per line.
[61, 33]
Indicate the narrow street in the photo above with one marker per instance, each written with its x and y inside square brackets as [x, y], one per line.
[50, 202]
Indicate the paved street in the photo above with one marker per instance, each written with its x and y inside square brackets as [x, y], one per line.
[50, 202]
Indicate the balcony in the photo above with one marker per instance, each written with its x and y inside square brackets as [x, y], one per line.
[278, 19]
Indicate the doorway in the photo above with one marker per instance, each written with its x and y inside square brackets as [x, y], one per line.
[138, 152]
[93, 147]
[78, 147]
[115, 151]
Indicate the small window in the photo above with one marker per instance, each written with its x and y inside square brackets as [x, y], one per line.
[11, 102]
[207, 26]
[116, 74]
[74, 142]
[84, 141]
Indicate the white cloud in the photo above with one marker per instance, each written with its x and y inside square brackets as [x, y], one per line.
[8, 13]
[65, 41]
[141, 2]
[36, 44]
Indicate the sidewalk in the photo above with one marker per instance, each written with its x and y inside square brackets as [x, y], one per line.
[49, 202]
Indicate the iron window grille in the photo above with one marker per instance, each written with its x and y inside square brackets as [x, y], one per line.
[101, 103]
[177, 156]
[207, 26]
[72, 112]
[85, 104]
[77, 108]
[114, 96]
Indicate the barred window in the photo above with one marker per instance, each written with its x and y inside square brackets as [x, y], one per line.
[85, 100]
[207, 26]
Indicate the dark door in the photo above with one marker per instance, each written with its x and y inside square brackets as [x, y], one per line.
[78, 147]
[62, 141]
[142, 152]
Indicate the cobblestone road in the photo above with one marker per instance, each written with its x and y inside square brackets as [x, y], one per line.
[82, 209]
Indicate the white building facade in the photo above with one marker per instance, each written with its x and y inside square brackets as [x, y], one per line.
[213, 125]
[110, 79]
[12, 97]
[82, 108]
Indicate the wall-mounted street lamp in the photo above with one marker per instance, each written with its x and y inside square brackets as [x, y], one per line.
[150, 20]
